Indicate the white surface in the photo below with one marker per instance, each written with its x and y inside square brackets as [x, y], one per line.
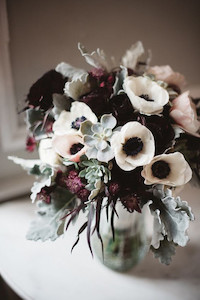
[42, 271]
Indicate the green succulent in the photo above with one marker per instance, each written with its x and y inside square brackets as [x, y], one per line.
[95, 174]
[97, 138]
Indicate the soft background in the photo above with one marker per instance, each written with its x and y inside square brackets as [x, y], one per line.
[46, 32]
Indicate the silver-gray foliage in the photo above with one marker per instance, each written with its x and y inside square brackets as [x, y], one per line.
[171, 221]
[49, 217]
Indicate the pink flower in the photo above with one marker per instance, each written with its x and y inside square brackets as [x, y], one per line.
[165, 73]
[69, 146]
[183, 112]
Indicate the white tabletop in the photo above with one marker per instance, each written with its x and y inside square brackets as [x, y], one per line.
[42, 271]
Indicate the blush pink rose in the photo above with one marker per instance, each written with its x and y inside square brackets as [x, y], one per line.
[69, 146]
[165, 73]
[183, 112]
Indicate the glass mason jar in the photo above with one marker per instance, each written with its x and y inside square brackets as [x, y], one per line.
[130, 244]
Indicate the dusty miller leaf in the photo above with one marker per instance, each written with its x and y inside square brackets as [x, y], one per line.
[68, 71]
[171, 218]
[97, 58]
[26, 164]
[165, 251]
[48, 219]
[45, 180]
[119, 79]
[130, 59]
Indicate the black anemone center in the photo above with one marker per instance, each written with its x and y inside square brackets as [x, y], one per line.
[160, 169]
[77, 123]
[75, 148]
[146, 97]
[133, 146]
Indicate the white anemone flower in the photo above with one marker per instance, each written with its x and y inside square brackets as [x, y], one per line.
[70, 121]
[47, 154]
[69, 146]
[169, 169]
[133, 146]
[147, 96]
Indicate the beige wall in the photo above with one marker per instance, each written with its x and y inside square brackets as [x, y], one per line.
[45, 32]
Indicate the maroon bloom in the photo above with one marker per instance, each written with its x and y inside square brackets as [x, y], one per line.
[30, 143]
[114, 188]
[45, 194]
[41, 92]
[83, 194]
[122, 109]
[73, 183]
[161, 129]
[98, 98]
[131, 202]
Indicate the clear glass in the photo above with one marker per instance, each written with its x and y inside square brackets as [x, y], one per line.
[130, 244]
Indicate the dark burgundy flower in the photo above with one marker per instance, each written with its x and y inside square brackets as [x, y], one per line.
[45, 194]
[161, 129]
[122, 109]
[131, 202]
[131, 181]
[97, 100]
[83, 194]
[73, 183]
[40, 94]
[30, 143]
[114, 188]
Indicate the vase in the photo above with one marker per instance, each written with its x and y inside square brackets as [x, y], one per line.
[130, 243]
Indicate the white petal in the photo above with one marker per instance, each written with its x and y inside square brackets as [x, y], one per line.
[125, 165]
[128, 131]
[63, 124]
[137, 86]
[180, 171]
[47, 154]
[79, 109]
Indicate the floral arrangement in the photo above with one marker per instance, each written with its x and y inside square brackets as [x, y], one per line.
[112, 134]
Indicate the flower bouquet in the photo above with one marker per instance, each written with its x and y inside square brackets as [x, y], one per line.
[119, 134]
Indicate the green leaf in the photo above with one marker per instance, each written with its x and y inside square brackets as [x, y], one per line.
[35, 170]
[82, 173]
